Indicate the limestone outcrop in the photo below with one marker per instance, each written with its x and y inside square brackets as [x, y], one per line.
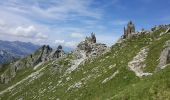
[87, 49]
[137, 64]
[129, 30]
[91, 47]
[164, 59]
[58, 53]
[43, 54]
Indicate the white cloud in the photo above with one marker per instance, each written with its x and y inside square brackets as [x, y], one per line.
[58, 10]
[23, 31]
[70, 44]
[61, 21]
[59, 41]
[77, 35]
[41, 36]
[20, 31]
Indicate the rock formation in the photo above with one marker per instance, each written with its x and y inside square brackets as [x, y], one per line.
[4, 78]
[137, 64]
[57, 53]
[129, 30]
[86, 50]
[45, 53]
[91, 39]
[164, 57]
[90, 46]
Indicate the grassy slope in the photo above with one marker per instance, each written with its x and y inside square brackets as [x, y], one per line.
[124, 86]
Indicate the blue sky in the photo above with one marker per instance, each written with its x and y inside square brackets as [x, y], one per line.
[67, 22]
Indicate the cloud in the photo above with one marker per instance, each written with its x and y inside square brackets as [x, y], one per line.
[53, 10]
[41, 36]
[23, 31]
[20, 31]
[59, 41]
[77, 35]
[51, 21]
[69, 44]
[2, 23]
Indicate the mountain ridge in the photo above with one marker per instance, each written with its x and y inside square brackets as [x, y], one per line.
[95, 72]
[15, 49]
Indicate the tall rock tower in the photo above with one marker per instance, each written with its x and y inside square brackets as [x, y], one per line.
[93, 38]
[129, 30]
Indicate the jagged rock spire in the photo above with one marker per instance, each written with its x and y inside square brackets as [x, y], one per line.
[58, 53]
[93, 37]
[129, 30]
[60, 47]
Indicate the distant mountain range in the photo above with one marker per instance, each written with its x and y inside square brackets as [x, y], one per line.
[9, 51]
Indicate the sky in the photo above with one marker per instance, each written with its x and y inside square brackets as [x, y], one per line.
[67, 22]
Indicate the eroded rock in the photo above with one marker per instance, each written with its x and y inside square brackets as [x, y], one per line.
[164, 57]
[136, 65]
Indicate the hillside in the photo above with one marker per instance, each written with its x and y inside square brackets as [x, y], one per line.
[9, 51]
[135, 68]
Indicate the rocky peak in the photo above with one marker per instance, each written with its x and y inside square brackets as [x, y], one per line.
[129, 30]
[91, 39]
[43, 54]
[91, 47]
[59, 47]
[46, 50]
[58, 53]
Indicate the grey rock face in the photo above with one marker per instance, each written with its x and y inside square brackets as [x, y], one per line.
[168, 30]
[86, 50]
[45, 53]
[57, 53]
[137, 64]
[4, 78]
[129, 30]
[164, 57]
[90, 46]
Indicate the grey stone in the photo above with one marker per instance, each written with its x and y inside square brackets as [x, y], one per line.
[45, 53]
[164, 57]
[90, 46]
[129, 30]
[168, 30]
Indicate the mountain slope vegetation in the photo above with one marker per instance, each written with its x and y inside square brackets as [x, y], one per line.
[109, 76]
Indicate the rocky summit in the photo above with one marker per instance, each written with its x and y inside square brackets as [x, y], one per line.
[43, 54]
[136, 67]
[91, 47]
